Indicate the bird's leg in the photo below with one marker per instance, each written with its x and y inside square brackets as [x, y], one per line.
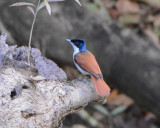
[81, 77]
[86, 76]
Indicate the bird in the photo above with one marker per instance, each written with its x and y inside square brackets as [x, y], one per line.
[87, 65]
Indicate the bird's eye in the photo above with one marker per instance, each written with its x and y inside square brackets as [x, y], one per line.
[76, 44]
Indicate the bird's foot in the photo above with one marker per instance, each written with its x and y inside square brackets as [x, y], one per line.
[81, 77]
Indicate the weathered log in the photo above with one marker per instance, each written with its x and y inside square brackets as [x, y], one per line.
[128, 61]
[28, 100]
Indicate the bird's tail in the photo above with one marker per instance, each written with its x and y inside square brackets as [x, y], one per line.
[102, 88]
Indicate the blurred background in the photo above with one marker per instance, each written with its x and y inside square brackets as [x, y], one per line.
[124, 37]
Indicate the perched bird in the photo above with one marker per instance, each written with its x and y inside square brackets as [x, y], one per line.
[87, 65]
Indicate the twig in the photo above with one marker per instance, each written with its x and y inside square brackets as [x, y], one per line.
[31, 33]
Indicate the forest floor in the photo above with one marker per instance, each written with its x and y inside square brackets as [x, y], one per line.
[143, 16]
[120, 111]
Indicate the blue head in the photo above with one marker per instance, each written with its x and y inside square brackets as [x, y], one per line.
[78, 45]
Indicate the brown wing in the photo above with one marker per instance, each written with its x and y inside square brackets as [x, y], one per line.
[87, 61]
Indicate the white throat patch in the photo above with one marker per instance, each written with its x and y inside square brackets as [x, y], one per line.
[76, 50]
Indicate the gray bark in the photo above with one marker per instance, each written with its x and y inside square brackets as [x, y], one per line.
[128, 61]
[31, 97]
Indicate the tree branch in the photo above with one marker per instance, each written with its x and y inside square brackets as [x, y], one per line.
[29, 100]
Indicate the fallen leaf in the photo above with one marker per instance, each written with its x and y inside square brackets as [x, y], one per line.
[109, 3]
[154, 3]
[128, 19]
[156, 21]
[148, 115]
[153, 37]
[126, 6]
[121, 100]
[113, 94]
[114, 13]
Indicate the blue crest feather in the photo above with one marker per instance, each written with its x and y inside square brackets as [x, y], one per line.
[79, 43]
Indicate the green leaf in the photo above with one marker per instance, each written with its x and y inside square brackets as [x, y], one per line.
[47, 6]
[41, 6]
[78, 2]
[43, 3]
[55, 0]
[101, 109]
[22, 4]
[31, 10]
[118, 110]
